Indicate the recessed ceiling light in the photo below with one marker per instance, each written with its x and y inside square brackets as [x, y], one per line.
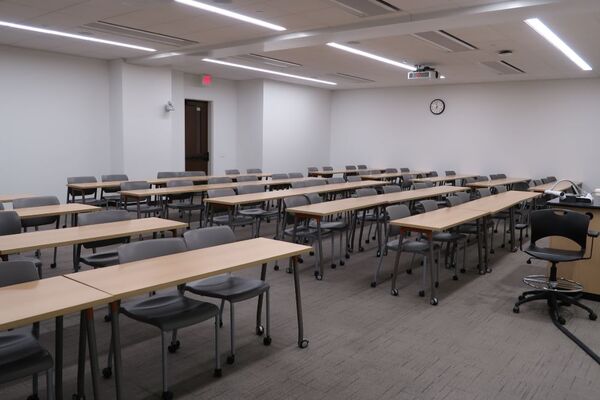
[557, 42]
[442, 77]
[231, 14]
[371, 56]
[267, 71]
[71, 35]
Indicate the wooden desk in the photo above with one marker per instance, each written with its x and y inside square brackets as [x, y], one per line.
[35, 301]
[428, 223]
[497, 182]
[9, 198]
[136, 278]
[560, 186]
[392, 175]
[56, 210]
[447, 178]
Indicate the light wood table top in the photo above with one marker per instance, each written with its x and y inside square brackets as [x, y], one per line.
[95, 185]
[497, 182]
[280, 194]
[392, 175]
[204, 178]
[21, 242]
[139, 277]
[359, 203]
[59, 209]
[440, 220]
[438, 179]
[164, 191]
[30, 302]
[9, 198]
[500, 201]
[333, 172]
[560, 186]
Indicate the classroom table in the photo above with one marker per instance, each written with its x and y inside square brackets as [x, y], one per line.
[497, 182]
[435, 221]
[447, 178]
[140, 277]
[9, 198]
[561, 186]
[392, 175]
[321, 210]
[333, 172]
[56, 210]
[205, 178]
[56, 297]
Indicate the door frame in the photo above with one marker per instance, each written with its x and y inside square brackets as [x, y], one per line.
[210, 131]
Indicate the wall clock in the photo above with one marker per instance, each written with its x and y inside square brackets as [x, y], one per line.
[437, 106]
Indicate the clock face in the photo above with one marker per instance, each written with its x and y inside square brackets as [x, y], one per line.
[437, 106]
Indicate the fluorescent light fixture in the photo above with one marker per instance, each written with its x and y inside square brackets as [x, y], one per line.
[231, 14]
[371, 56]
[557, 42]
[71, 35]
[267, 71]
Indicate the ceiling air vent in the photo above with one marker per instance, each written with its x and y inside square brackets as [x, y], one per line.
[146, 36]
[274, 62]
[366, 8]
[445, 41]
[350, 78]
[502, 67]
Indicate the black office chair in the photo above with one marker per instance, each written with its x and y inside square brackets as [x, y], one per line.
[557, 291]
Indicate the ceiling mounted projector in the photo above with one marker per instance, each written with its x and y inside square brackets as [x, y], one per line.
[423, 72]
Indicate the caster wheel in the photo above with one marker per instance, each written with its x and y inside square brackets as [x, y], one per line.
[312, 253]
[488, 270]
[107, 318]
[220, 323]
[433, 301]
[593, 317]
[462, 270]
[33, 397]
[333, 266]
[173, 347]
[516, 309]
[218, 373]
[378, 254]
[373, 284]
[303, 343]
[409, 271]
[394, 292]
[503, 246]
[561, 320]
[455, 278]
[367, 241]
[276, 267]
[342, 262]
[167, 395]
[318, 276]
[521, 297]
[481, 272]
[528, 261]
[492, 251]
[421, 293]
[300, 260]
[53, 265]
[267, 340]
[495, 230]
[260, 330]
[288, 270]
[361, 249]
[347, 256]
[106, 372]
[436, 284]
[230, 359]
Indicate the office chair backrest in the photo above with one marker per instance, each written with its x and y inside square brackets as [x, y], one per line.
[351, 167]
[180, 183]
[293, 201]
[483, 192]
[391, 170]
[432, 174]
[103, 217]
[427, 206]
[208, 237]
[335, 180]
[482, 178]
[450, 173]
[463, 196]
[247, 189]
[391, 189]
[232, 172]
[422, 185]
[557, 222]
[114, 178]
[81, 179]
[521, 186]
[10, 223]
[162, 175]
[498, 189]
[278, 176]
[254, 171]
[537, 182]
[405, 169]
[453, 200]
[296, 175]
[551, 178]
[362, 166]
[15, 272]
[37, 202]
[494, 176]
[313, 198]
[135, 185]
[298, 184]
[396, 211]
[221, 192]
[136, 251]
[545, 180]
[219, 179]
[501, 176]
[364, 192]
[247, 178]
[312, 169]
[353, 178]
[327, 168]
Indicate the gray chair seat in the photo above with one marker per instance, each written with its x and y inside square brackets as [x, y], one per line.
[329, 225]
[554, 255]
[228, 287]
[19, 257]
[169, 312]
[257, 212]
[144, 208]
[235, 220]
[21, 355]
[99, 260]
[412, 246]
[448, 236]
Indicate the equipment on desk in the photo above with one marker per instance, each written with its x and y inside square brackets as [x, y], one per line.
[579, 195]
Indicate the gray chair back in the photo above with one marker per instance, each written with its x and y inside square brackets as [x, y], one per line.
[1, 206]
[254, 171]
[501, 176]
[396, 211]
[81, 179]
[521, 186]
[278, 176]
[221, 192]
[432, 173]
[499, 189]
[247, 178]
[247, 189]
[391, 170]
[10, 223]
[361, 166]
[180, 183]
[364, 172]
[219, 179]
[103, 217]
[483, 192]
[136, 251]
[404, 169]
[327, 168]
[15, 272]
[551, 178]
[315, 182]
[453, 200]
[335, 180]
[293, 201]
[37, 202]
[313, 198]
[232, 172]
[427, 206]
[296, 175]
[114, 178]
[422, 185]
[364, 192]
[298, 184]
[351, 167]
[162, 175]
[463, 196]
[450, 173]
[135, 185]
[353, 178]
[194, 173]
[391, 189]
[208, 237]
[312, 169]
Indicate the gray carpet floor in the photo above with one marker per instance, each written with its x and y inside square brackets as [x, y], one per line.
[364, 343]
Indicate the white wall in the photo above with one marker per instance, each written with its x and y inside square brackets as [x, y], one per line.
[250, 124]
[54, 120]
[523, 128]
[296, 124]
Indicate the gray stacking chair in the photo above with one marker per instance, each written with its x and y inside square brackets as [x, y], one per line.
[315, 182]
[254, 171]
[298, 184]
[247, 178]
[361, 166]
[162, 175]
[106, 258]
[404, 169]
[257, 211]
[463, 196]
[232, 172]
[483, 192]
[369, 216]
[432, 174]
[391, 170]
[193, 173]
[328, 168]
[231, 217]
[450, 173]
[111, 195]
[21, 354]
[228, 287]
[88, 196]
[350, 167]
[335, 180]
[183, 202]
[39, 221]
[551, 179]
[168, 312]
[10, 224]
[422, 185]
[391, 189]
[293, 175]
[353, 178]
[147, 207]
[219, 179]
[279, 176]
[303, 232]
[394, 242]
[312, 169]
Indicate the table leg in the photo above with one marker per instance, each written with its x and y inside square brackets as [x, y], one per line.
[319, 274]
[81, 359]
[263, 275]
[138, 207]
[91, 336]
[397, 262]
[479, 248]
[58, 358]
[302, 341]
[511, 215]
[279, 201]
[487, 247]
[432, 268]
[116, 340]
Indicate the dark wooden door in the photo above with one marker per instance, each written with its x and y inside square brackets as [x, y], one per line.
[197, 155]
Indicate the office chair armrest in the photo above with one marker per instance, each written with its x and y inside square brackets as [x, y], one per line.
[593, 234]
